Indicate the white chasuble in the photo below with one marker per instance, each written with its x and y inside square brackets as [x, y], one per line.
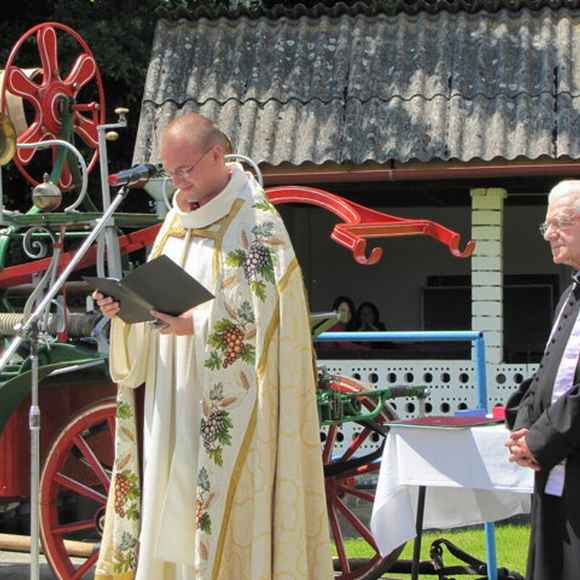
[233, 485]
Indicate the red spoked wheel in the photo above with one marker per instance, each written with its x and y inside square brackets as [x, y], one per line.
[81, 90]
[346, 475]
[73, 490]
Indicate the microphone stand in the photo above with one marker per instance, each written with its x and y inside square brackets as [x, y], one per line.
[30, 331]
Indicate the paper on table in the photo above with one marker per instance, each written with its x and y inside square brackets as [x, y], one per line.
[446, 422]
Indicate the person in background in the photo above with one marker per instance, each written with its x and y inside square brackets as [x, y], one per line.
[544, 414]
[369, 319]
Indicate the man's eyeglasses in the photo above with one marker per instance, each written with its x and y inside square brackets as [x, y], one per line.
[558, 223]
[185, 172]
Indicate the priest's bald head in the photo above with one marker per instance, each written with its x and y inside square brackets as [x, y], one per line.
[562, 226]
[192, 152]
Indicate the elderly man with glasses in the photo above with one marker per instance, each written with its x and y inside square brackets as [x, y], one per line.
[544, 414]
[233, 485]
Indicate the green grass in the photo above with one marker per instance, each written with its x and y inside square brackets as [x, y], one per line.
[511, 546]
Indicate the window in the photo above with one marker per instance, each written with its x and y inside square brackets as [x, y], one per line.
[528, 306]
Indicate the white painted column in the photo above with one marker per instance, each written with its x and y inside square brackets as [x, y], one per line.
[487, 269]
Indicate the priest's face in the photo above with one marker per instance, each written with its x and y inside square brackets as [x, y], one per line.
[563, 230]
[194, 170]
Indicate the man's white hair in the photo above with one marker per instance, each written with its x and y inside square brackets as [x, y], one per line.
[567, 188]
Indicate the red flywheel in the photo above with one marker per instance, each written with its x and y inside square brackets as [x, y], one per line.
[48, 92]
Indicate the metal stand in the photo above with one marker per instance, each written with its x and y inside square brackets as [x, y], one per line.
[417, 545]
[30, 331]
[110, 238]
[34, 426]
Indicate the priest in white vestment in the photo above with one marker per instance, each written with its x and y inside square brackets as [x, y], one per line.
[233, 486]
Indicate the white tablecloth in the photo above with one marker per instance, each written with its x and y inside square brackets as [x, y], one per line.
[468, 478]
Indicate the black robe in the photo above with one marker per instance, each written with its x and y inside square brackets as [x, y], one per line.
[554, 435]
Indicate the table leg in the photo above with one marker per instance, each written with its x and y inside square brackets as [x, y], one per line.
[419, 529]
[490, 550]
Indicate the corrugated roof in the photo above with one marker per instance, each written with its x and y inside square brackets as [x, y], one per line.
[360, 88]
[256, 9]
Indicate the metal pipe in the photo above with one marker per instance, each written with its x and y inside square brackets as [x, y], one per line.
[75, 368]
[34, 426]
[76, 152]
[113, 254]
[489, 527]
[74, 287]
[479, 348]
[80, 324]
[321, 316]
[426, 336]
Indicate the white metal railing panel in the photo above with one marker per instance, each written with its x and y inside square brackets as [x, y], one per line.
[451, 384]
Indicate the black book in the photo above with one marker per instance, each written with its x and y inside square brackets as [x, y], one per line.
[156, 285]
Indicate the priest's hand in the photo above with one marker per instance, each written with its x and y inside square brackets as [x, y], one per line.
[178, 325]
[106, 304]
[519, 451]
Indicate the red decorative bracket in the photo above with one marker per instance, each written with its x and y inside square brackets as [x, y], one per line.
[361, 223]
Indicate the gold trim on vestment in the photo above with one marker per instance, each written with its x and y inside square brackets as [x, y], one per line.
[286, 278]
[275, 322]
[178, 231]
[116, 576]
[158, 247]
[245, 447]
[225, 223]
[235, 477]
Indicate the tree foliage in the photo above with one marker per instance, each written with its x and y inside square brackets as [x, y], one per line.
[118, 32]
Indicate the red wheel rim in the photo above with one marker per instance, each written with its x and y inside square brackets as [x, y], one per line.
[45, 97]
[347, 484]
[74, 487]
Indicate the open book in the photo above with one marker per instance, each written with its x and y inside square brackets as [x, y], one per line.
[156, 285]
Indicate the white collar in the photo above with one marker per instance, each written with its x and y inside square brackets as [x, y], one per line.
[217, 207]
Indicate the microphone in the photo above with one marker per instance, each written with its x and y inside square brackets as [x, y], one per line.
[136, 176]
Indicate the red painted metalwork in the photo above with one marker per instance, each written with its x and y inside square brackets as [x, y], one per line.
[22, 273]
[14, 447]
[361, 223]
[58, 403]
[356, 523]
[47, 97]
[342, 480]
[329, 444]
[356, 443]
[79, 463]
